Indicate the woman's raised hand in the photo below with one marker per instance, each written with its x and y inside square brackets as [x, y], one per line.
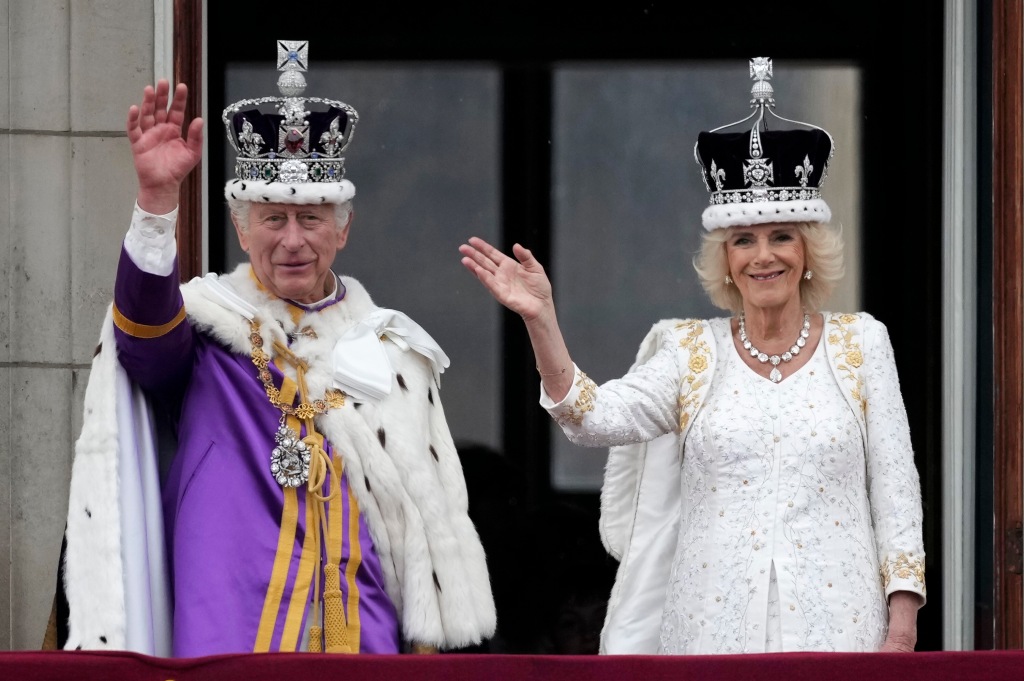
[520, 285]
[163, 156]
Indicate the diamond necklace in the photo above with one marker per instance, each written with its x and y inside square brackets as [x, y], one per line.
[765, 358]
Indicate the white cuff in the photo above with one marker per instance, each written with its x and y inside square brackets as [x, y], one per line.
[570, 397]
[151, 242]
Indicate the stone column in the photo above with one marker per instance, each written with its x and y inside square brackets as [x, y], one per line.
[66, 192]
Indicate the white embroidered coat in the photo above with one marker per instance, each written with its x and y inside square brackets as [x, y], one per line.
[665, 517]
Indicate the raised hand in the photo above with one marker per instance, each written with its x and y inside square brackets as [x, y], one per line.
[520, 285]
[162, 155]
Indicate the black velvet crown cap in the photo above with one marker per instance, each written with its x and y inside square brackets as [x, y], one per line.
[759, 175]
[756, 177]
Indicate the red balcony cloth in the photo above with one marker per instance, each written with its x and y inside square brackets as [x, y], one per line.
[930, 666]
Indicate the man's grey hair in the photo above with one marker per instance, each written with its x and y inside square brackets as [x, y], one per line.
[240, 212]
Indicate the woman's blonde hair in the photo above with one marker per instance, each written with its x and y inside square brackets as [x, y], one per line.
[823, 255]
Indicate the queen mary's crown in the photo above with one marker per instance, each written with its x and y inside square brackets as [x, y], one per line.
[758, 176]
[290, 148]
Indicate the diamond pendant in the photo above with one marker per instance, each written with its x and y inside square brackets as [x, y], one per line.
[289, 461]
[775, 375]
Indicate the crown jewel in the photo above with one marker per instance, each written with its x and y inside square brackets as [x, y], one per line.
[764, 175]
[281, 140]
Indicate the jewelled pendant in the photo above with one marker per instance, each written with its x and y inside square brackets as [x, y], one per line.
[289, 461]
[775, 375]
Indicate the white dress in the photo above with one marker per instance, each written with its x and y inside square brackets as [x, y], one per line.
[784, 512]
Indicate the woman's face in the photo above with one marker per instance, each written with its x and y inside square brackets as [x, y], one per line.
[766, 263]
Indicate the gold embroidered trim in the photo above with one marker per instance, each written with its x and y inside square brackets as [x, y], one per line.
[849, 356]
[584, 403]
[700, 353]
[904, 567]
[136, 330]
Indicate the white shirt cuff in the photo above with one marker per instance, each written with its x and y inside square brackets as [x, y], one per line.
[151, 242]
[570, 397]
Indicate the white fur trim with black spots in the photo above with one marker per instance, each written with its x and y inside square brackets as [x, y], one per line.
[303, 193]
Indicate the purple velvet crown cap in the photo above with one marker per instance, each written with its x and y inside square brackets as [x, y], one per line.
[269, 126]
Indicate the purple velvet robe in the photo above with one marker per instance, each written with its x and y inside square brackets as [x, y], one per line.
[222, 506]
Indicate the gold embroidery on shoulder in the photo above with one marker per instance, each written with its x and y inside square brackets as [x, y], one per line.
[584, 403]
[904, 567]
[849, 355]
[700, 353]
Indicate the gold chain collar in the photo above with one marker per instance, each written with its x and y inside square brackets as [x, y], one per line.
[332, 398]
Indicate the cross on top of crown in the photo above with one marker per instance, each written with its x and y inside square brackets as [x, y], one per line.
[761, 68]
[292, 55]
[761, 92]
[292, 60]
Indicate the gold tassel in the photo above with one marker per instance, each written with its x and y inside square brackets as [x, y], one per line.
[316, 644]
[335, 628]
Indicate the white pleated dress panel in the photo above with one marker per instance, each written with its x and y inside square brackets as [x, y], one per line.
[776, 550]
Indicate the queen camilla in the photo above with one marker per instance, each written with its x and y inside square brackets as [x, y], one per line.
[760, 493]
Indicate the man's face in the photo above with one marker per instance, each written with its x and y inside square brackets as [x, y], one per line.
[292, 248]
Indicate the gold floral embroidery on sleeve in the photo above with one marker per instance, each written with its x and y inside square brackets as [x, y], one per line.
[906, 566]
[700, 353]
[584, 402]
[849, 354]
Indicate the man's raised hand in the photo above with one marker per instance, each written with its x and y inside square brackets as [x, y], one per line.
[163, 156]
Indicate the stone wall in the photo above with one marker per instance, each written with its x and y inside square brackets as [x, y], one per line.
[66, 189]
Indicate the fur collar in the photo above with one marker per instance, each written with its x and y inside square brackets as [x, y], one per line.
[211, 316]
